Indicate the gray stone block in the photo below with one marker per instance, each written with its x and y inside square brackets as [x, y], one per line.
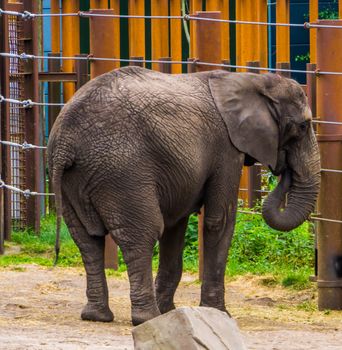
[189, 328]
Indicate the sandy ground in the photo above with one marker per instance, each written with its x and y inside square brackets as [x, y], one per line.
[40, 309]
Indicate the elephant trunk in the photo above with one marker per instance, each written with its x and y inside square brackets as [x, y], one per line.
[299, 185]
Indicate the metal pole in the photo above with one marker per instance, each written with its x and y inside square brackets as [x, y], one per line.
[54, 96]
[102, 32]
[254, 172]
[71, 41]
[329, 105]
[207, 46]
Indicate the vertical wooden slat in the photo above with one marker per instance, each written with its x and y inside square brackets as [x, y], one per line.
[159, 30]
[176, 35]
[251, 40]
[99, 4]
[339, 9]
[55, 28]
[283, 33]
[262, 47]
[136, 29]
[223, 7]
[195, 5]
[313, 32]
[71, 42]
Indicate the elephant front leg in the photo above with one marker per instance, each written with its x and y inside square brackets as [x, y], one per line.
[92, 252]
[170, 265]
[219, 220]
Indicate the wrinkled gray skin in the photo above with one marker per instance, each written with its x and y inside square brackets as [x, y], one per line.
[135, 152]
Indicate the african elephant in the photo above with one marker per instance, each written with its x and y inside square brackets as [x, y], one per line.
[135, 152]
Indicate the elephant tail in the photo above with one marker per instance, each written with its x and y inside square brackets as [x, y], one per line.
[57, 186]
[60, 157]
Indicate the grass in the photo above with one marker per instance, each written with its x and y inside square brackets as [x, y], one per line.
[284, 258]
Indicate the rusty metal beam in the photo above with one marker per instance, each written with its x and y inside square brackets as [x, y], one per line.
[32, 120]
[57, 76]
[329, 105]
[4, 126]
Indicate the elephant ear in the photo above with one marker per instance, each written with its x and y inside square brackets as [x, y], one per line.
[245, 106]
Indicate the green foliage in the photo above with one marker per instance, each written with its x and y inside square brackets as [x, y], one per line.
[39, 249]
[303, 58]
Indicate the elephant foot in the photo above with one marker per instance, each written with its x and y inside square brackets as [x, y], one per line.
[93, 312]
[139, 316]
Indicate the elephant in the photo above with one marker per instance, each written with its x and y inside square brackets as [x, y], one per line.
[135, 152]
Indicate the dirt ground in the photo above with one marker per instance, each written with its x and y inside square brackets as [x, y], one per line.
[40, 309]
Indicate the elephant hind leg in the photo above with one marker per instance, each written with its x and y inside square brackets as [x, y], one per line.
[92, 252]
[170, 265]
[137, 242]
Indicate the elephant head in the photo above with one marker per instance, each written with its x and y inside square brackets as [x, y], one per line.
[268, 119]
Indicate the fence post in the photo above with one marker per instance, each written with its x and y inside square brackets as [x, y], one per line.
[137, 64]
[102, 32]
[32, 124]
[254, 171]
[223, 7]
[82, 71]
[207, 45]
[164, 66]
[71, 41]
[5, 127]
[284, 65]
[329, 107]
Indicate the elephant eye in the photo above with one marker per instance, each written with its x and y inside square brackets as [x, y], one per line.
[303, 126]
